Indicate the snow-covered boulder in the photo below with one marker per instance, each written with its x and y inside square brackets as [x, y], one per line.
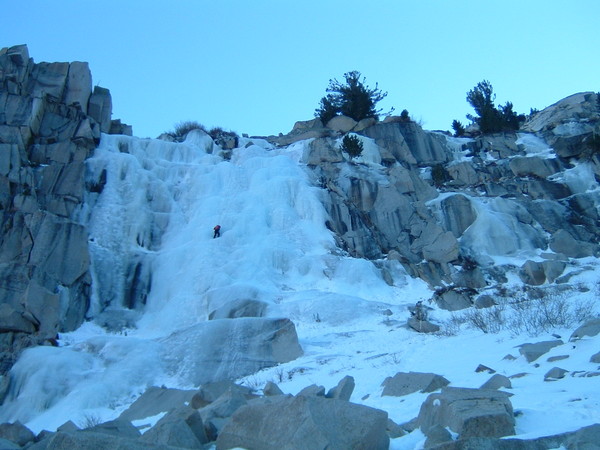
[228, 349]
[589, 328]
[531, 352]
[156, 400]
[406, 383]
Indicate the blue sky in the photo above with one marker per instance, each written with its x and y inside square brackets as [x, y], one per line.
[259, 66]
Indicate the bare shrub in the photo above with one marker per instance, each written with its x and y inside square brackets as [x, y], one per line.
[90, 421]
[184, 127]
[522, 314]
[489, 320]
[543, 314]
[451, 327]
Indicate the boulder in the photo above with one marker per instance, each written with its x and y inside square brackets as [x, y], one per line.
[229, 349]
[210, 392]
[534, 351]
[556, 373]
[484, 301]
[154, 401]
[437, 435]
[239, 308]
[498, 145]
[16, 432]
[563, 242]
[532, 273]
[584, 438]
[595, 358]
[436, 244]
[342, 124]
[305, 422]
[394, 430]
[313, 390]
[182, 427]
[288, 139]
[422, 326]
[68, 427]
[589, 328]
[90, 440]
[468, 412]
[343, 390]
[304, 125]
[483, 368]
[497, 381]
[119, 427]
[217, 414]
[364, 123]
[272, 389]
[553, 269]
[406, 383]
[453, 300]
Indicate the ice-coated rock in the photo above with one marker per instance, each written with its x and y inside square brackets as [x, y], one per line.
[229, 349]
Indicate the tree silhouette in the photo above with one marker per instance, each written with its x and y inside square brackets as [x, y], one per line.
[352, 98]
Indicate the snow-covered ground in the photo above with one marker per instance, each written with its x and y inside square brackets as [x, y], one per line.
[274, 246]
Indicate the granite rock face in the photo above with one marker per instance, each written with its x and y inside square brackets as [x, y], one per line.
[442, 205]
[50, 122]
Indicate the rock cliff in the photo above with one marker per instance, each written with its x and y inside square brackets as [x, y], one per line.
[419, 197]
[50, 122]
[444, 207]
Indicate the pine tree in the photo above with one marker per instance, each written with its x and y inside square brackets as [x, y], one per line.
[353, 98]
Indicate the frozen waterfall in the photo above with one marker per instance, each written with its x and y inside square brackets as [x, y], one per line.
[151, 211]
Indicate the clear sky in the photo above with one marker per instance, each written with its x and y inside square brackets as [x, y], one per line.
[258, 66]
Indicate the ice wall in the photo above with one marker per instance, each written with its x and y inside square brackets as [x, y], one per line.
[151, 211]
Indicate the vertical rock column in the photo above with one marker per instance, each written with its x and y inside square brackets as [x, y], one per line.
[50, 122]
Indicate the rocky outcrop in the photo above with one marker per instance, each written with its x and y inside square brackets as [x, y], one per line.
[50, 122]
[442, 206]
